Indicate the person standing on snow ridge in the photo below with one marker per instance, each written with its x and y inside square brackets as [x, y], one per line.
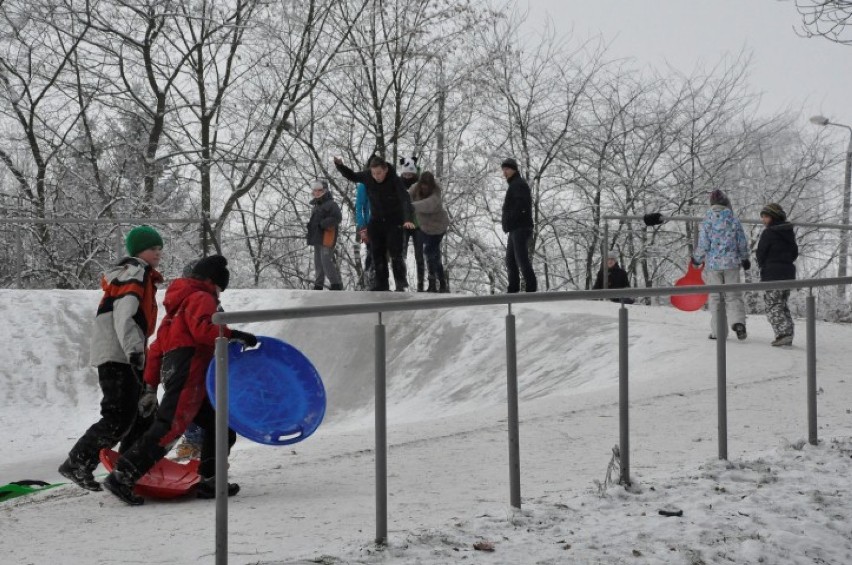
[723, 248]
[322, 235]
[776, 254]
[434, 221]
[616, 277]
[517, 221]
[126, 318]
[409, 173]
[178, 360]
[390, 213]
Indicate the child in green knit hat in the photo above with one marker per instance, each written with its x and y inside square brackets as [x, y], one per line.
[141, 239]
[126, 318]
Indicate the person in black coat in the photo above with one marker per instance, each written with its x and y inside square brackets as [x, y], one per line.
[777, 252]
[616, 277]
[390, 213]
[322, 234]
[517, 221]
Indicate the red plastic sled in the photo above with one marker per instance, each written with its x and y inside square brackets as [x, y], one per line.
[167, 479]
[690, 302]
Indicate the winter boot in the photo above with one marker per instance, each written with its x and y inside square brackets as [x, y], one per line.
[80, 474]
[431, 287]
[443, 288]
[120, 485]
[317, 287]
[740, 330]
[783, 340]
[207, 488]
[400, 284]
[336, 286]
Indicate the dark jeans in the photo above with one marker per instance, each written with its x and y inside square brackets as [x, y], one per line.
[518, 261]
[417, 236]
[154, 444]
[120, 420]
[432, 250]
[386, 239]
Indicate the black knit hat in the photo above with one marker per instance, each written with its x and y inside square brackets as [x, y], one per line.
[214, 268]
[509, 163]
[719, 198]
[774, 211]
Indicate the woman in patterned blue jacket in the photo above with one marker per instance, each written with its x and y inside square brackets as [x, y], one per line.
[723, 248]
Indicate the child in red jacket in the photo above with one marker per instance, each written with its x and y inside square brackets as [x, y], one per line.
[178, 360]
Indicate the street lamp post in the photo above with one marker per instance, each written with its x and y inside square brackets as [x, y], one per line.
[844, 220]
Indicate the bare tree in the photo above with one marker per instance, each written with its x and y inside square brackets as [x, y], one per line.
[37, 47]
[826, 18]
[301, 50]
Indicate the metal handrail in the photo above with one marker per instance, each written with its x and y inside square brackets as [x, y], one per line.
[751, 222]
[397, 305]
[102, 221]
[500, 299]
[687, 219]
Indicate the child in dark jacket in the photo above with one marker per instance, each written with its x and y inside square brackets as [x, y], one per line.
[616, 277]
[178, 360]
[126, 318]
[776, 253]
[322, 235]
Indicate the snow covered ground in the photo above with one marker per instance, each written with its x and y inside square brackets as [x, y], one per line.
[777, 499]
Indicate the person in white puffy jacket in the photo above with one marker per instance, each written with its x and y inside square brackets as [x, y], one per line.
[126, 318]
[723, 249]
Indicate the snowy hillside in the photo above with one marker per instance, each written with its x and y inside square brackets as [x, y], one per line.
[448, 484]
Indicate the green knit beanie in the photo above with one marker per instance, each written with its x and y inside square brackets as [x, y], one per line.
[141, 238]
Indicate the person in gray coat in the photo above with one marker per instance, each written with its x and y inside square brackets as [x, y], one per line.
[434, 221]
[322, 234]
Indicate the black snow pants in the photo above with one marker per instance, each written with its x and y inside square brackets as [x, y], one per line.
[120, 420]
[171, 420]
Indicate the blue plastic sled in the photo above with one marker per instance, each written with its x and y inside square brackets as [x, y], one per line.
[276, 395]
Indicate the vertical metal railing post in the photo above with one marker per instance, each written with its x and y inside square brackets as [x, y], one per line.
[604, 253]
[512, 390]
[722, 374]
[221, 448]
[20, 258]
[811, 361]
[623, 398]
[381, 436]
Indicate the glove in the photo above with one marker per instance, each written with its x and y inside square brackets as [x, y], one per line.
[746, 264]
[137, 360]
[653, 219]
[247, 339]
[362, 233]
[148, 402]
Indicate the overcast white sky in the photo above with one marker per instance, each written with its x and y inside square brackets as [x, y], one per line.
[814, 75]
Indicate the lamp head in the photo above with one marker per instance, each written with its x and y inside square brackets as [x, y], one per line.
[819, 120]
